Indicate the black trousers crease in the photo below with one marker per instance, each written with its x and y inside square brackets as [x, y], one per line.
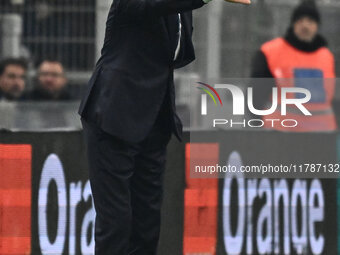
[126, 181]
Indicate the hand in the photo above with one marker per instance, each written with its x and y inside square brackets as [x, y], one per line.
[239, 1]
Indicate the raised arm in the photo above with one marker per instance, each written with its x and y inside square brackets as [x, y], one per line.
[161, 7]
[148, 8]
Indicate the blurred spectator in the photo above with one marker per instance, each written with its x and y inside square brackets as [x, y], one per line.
[51, 83]
[301, 54]
[12, 78]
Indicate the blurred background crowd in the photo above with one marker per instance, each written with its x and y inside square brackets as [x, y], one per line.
[48, 49]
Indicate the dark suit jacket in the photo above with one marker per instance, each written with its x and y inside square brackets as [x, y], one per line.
[136, 66]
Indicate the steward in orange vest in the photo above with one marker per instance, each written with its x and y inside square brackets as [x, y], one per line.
[300, 59]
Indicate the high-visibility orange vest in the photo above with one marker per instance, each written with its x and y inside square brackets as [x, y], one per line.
[288, 64]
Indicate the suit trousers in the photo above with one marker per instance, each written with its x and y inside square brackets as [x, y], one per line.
[126, 181]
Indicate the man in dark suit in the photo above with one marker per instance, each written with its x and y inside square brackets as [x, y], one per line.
[128, 115]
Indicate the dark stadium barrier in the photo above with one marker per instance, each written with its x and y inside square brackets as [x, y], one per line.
[46, 207]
